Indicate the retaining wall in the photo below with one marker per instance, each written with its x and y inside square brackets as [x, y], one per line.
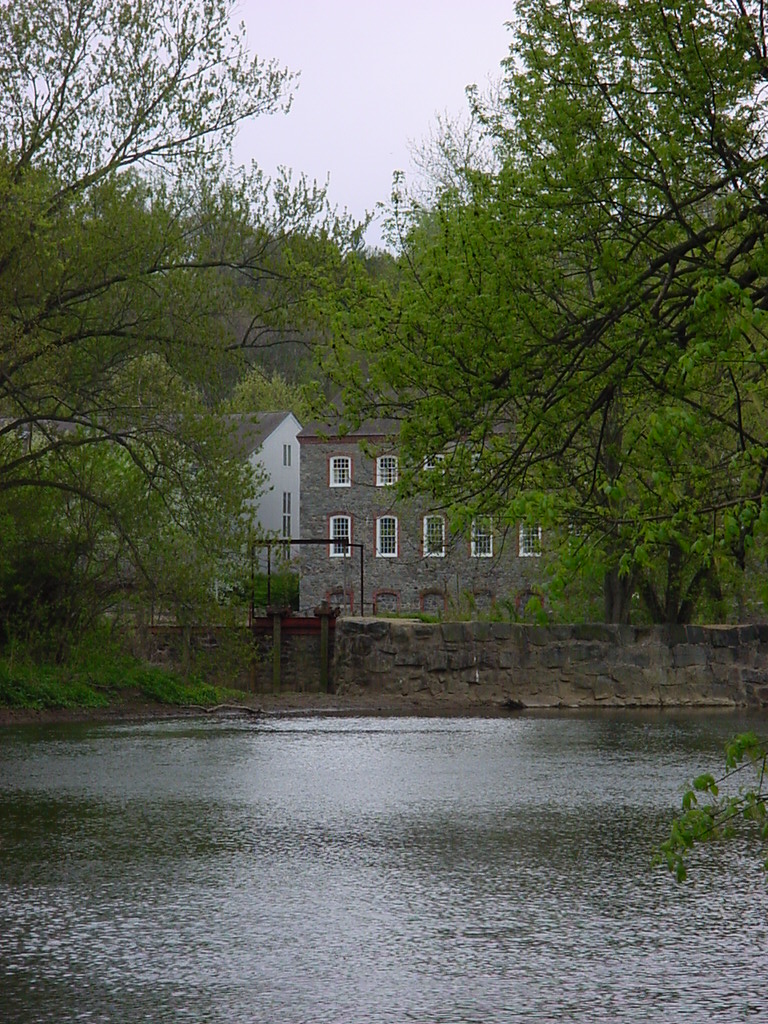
[553, 666]
[243, 658]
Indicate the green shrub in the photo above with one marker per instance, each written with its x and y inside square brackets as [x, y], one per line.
[96, 673]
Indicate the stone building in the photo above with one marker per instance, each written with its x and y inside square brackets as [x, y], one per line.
[381, 554]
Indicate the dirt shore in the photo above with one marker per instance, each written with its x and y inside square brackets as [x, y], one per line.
[134, 708]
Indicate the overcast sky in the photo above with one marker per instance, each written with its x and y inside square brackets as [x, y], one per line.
[374, 77]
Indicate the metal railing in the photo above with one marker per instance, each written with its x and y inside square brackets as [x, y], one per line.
[288, 542]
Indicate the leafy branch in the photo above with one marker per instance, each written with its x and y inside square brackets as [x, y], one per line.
[709, 814]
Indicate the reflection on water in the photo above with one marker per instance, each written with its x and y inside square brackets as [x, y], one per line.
[371, 870]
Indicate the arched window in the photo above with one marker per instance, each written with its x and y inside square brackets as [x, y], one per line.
[386, 602]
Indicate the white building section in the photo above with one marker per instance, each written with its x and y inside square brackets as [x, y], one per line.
[269, 441]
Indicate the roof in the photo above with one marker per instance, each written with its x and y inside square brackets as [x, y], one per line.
[374, 428]
[249, 431]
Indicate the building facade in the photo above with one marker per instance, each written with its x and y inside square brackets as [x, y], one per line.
[378, 554]
[269, 441]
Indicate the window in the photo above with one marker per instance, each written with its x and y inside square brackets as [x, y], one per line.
[386, 602]
[286, 455]
[530, 541]
[433, 601]
[286, 513]
[341, 471]
[342, 599]
[341, 536]
[482, 538]
[434, 536]
[433, 461]
[386, 537]
[386, 470]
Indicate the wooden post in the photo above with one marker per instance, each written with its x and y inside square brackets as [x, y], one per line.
[252, 665]
[324, 612]
[324, 630]
[276, 642]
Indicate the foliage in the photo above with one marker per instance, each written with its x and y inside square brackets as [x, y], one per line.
[168, 688]
[283, 590]
[580, 326]
[96, 674]
[711, 809]
[257, 392]
[41, 688]
[136, 266]
[108, 542]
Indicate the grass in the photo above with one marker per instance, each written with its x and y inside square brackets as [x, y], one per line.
[96, 678]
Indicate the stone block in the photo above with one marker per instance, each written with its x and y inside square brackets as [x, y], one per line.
[724, 655]
[554, 656]
[538, 635]
[374, 629]
[408, 657]
[472, 676]
[604, 689]
[435, 659]
[725, 636]
[689, 654]
[424, 632]
[501, 630]
[597, 631]
[633, 658]
[758, 695]
[489, 655]
[587, 651]
[509, 658]
[697, 635]
[453, 632]
[748, 634]
[480, 631]
[460, 658]
[674, 635]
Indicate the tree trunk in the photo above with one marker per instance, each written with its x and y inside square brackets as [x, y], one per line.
[617, 594]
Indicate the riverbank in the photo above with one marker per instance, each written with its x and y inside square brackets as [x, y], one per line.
[134, 707]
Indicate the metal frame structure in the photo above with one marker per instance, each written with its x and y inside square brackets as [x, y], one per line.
[288, 542]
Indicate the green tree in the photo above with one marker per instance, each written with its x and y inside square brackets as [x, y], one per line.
[587, 315]
[258, 392]
[128, 242]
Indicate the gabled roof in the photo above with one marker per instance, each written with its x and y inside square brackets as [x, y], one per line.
[249, 431]
[374, 428]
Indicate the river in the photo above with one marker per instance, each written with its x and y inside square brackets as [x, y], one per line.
[370, 870]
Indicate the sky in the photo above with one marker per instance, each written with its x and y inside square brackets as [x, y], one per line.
[375, 76]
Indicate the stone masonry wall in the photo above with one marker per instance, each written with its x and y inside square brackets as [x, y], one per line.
[553, 667]
[410, 581]
[240, 658]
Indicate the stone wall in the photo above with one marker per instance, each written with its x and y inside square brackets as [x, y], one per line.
[557, 666]
[240, 658]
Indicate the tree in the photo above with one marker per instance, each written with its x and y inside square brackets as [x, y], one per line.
[589, 313]
[719, 808]
[127, 243]
[257, 392]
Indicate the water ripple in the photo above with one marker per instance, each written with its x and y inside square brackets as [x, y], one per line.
[368, 870]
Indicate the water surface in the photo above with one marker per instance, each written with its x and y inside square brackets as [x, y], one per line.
[371, 870]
